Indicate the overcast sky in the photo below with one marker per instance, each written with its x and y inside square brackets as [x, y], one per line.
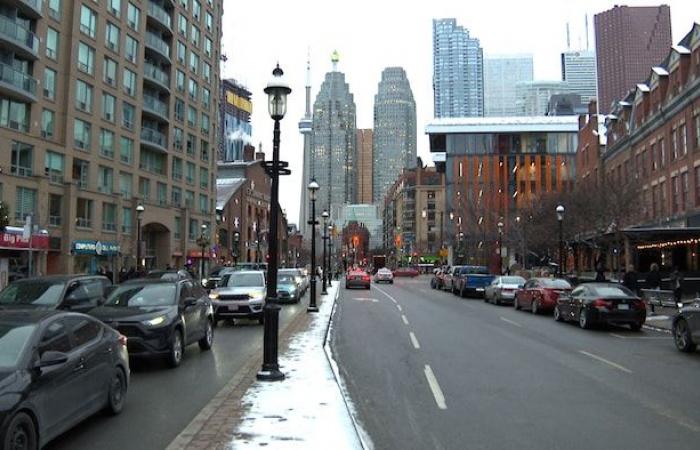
[372, 35]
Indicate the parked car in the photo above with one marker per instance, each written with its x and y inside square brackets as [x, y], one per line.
[288, 288]
[540, 294]
[384, 275]
[686, 328]
[240, 295]
[357, 278]
[601, 303]
[160, 317]
[299, 277]
[214, 277]
[502, 289]
[448, 278]
[169, 275]
[406, 272]
[471, 280]
[78, 293]
[438, 280]
[56, 369]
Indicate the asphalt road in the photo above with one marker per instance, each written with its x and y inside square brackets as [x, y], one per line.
[427, 369]
[161, 402]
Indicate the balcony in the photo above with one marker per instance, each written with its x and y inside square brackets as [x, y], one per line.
[31, 8]
[19, 39]
[154, 139]
[158, 46]
[16, 84]
[156, 76]
[160, 17]
[156, 108]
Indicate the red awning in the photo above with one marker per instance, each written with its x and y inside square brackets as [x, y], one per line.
[15, 241]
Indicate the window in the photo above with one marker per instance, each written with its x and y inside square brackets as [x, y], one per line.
[191, 116]
[191, 144]
[194, 62]
[22, 159]
[54, 166]
[55, 338]
[55, 210]
[178, 227]
[189, 199]
[178, 137]
[193, 229]
[210, 21]
[88, 21]
[83, 96]
[176, 196]
[128, 115]
[107, 143]
[112, 37]
[153, 161]
[109, 217]
[674, 144]
[654, 163]
[180, 80]
[208, 44]
[115, 7]
[49, 83]
[25, 203]
[51, 43]
[133, 16]
[81, 134]
[195, 35]
[684, 139]
[206, 96]
[206, 71]
[55, 9]
[179, 111]
[177, 168]
[83, 213]
[190, 173]
[162, 194]
[86, 58]
[109, 72]
[204, 150]
[193, 87]
[129, 83]
[48, 123]
[108, 106]
[203, 204]
[126, 183]
[205, 123]
[105, 180]
[182, 24]
[181, 52]
[132, 49]
[697, 130]
[14, 114]
[663, 198]
[126, 220]
[126, 150]
[85, 330]
[196, 10]
[203, 178]
[675, 195]
[685, 189]
[697, 186]
[144, 188]
[662, 153]
[81, 172]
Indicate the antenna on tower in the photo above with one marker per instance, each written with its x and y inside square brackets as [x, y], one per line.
[587, 31]
[568, 37]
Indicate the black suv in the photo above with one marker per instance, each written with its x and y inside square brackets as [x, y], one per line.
[68, 292]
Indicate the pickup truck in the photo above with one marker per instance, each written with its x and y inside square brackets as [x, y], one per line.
[471, 280]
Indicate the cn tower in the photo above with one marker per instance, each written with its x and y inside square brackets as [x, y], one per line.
[305, 128]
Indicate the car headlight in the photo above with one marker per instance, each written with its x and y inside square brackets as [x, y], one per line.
[154, 322]
[257, 295]
[204, 281]
[213, 295]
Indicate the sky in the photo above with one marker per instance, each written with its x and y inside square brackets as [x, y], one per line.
[372, 35]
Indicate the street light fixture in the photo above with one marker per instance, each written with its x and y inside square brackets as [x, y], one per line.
[560, 218]
[313, 188]
[500, 246]
[325, 216]
[139, 215]
[236, 243]
[277, 90]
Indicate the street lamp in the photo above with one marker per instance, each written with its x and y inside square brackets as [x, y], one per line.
[560, 218]
[330, 254]
[500, 247]
[277, 90]
[139, 216]
[313, 188]
[236, 243]
[203, 243]
[325, 216]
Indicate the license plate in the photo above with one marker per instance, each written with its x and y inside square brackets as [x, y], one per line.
[233, 307]
[479, 289]
[623, 307]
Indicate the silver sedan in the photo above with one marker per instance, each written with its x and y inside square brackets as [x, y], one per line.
[502, 289]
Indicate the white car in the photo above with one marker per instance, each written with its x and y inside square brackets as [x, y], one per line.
[502, 289]
[384, 275]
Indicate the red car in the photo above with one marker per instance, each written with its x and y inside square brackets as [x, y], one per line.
[540, 294]
[357, 278]
[406, 272]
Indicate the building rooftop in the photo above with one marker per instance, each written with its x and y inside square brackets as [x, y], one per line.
[225, 188]
[503, 124]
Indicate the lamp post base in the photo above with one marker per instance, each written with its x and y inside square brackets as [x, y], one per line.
[270, 370]
[270, 375]
[312, 309]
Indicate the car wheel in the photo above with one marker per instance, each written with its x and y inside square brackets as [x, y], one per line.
[117, 393]
[432, 284]
[557, 314]
[21, 433]
[636, 326]
[177, 348]
[208, 339]
[391, 282]
[583, 320]
[496, 300]
[682, 338]
[535, 307]
[516, 304]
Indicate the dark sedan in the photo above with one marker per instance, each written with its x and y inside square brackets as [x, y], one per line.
[601, 303]
[56, 369]
[70, 292]
[160, 318]
[686, 328]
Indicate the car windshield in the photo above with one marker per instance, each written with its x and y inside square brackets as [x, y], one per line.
[556, 284]
[244, 280]
[475, 270]
[612, 291]
[513, 280]
[285, 278]
[32, 293]
[14, 338]
[143, 295]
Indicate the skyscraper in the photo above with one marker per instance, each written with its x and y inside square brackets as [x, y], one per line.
[394, 130]
[628, 41]
[533, 97]
[458, 71]
[333, 149]
[236, 109]
[501, 74]
[305, 128]
[578, 69]
[365, 162]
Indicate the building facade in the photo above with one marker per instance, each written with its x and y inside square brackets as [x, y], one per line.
[365, 165]
[105, 106]
[532, 98]
[629, 40]
[368, 216]
[394, 140]
[236, 131]
[501, 74]
[578, 69]
[458, 71]
[333, 162]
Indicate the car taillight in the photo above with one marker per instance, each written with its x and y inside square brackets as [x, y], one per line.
[602, 303]
[639, 304]
[365, 277]
[121, 339]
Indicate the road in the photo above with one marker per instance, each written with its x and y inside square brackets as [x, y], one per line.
[427, 369]
[161, 402]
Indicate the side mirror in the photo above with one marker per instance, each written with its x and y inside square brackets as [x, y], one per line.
[190, 301]
[50, 358]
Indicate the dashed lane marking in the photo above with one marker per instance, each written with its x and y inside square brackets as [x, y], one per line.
[399, 307]
[605, 361]
[510, 322]
[405, 320]
[414, 341]
[435, 387]
[619, 336]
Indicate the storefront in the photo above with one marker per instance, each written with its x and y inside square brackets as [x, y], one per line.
[94, 256]
[21, 255]
[194, 260]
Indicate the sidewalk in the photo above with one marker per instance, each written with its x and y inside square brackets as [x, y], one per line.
[307, 410]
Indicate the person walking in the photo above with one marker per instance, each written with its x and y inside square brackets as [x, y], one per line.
[677, 284]
[630, 280]
[653, 280]
[600, 272]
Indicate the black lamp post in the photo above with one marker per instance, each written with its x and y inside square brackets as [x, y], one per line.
[325, 215]
[236, 243]
[329, 278]
[203, 244]
[560, 218]
[500, 247]
[313, 188]
[277, 91]
[139, 216]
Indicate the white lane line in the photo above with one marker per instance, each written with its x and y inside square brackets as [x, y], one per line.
[414, 341]
[435, 388]
[399, 307]
[510, 322]
[405, 320]
[605, 361]
[389, 296]
[619, 336]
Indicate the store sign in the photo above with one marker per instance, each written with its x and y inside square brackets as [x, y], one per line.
[95, 248]
[18, 241]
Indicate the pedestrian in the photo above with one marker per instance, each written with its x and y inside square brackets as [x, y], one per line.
[630, 280]
[600, 272]
[676, 284]
[653, 280]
